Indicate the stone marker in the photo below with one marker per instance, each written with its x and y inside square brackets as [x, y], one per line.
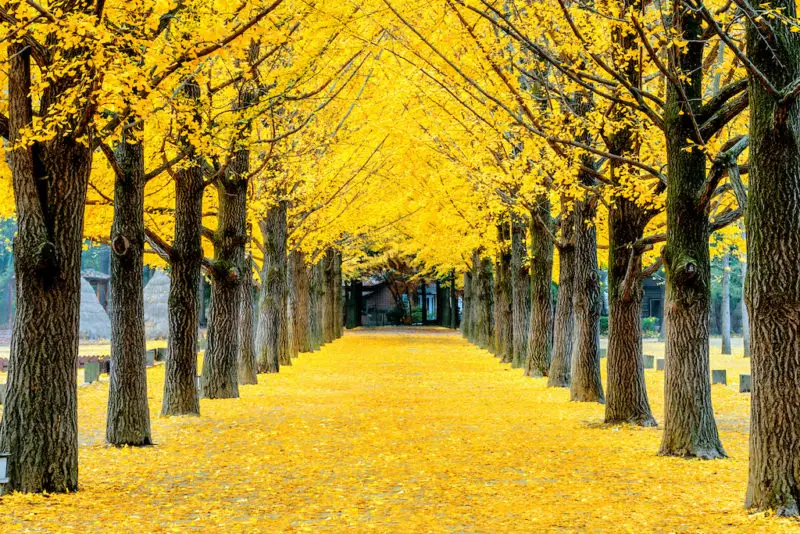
[150, 358]
[3, 387]
[744, 383]
[649, 361]
[719, 376]
[660, 364]
[91, 372]
[161, 354]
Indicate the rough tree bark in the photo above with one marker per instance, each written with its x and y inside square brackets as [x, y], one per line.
[180, 381]
[564, 321]
[40, 427]
[540, 333]
[503, 316]
[248, 362]
[316, 297]
[520, 293]
[220, 366]
[128, 416]
[329, 296]
[773, 278]
[689, 426]
[272, 301]
[725, 327]
[482, 301]
[338, 287]
[586, 385]
[627, 400]
[300, 301]
[454, 320]
[466, 321]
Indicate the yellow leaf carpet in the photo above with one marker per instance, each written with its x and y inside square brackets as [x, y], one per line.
[401, 431]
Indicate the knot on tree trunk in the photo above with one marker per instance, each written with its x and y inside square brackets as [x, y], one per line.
[46, 258]
[120, 245]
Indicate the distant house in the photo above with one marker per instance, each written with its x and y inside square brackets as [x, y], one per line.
[377, 301]
[101, 284]
[653, 298]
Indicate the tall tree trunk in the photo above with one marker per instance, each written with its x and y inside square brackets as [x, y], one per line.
[180, 380]
[726, 304]
[627, 400]
[482, 301]
[689, 426]
[586, 385]
[316, 298]
[564, 322]
[328, 297]
[248, 362]
[520, 293]
[220, 366]
[540, 334]
[338, 287]
[40, 424]
[301, 312]
[454, 322]
[272, 301]
[773, 280]
[128, 416]
[745, 316]
[503, 316]
[466, 322]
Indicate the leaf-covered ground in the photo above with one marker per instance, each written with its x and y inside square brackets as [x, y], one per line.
[398, 431]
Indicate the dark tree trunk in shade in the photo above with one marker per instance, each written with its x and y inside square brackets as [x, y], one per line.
[540, 333]
[128, 416]
[725, 312]
[564, 321]
[585, 385]
[689, 426]
[272, 301]
[454, 320]
[248, 362]
[328, 297]
[466, 321]
[773, 279]
[221, 363]
[503, 317]
[338, 287]
[520, 293]
[626, 400]
[316, 296]
[180, 380]
[40, 427]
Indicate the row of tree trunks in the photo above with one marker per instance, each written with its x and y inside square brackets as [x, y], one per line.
[520, 293]
[328, 296]
[128, 416]
[338, 296]
[316, 297]
[482, 301]
[540, 334]
[564, 321]
[272, 301]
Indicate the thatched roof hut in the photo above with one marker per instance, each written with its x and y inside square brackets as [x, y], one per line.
[156, 306]
[94, 319]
